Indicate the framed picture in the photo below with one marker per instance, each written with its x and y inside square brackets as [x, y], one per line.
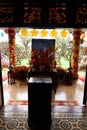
[43, 54]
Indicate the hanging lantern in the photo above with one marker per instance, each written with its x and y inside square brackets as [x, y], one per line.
[44, 33]
[53, 33]
[24, 32]
[63, 33]
[34, 32]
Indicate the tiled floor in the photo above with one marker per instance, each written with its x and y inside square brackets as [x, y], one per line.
[19, 91]
[62, 114]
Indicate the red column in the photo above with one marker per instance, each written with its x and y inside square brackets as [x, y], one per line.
[12, 46]
[75, 51]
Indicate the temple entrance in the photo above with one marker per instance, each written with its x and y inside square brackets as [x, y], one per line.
[62, 50]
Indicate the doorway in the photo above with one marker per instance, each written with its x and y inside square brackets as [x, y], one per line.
[11, 90]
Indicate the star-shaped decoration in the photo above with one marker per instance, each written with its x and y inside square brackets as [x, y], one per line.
[53, 33]
[44, 33]
[24, 32]
[34, 32]
[63, 33]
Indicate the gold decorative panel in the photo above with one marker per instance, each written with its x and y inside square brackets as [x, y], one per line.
[57, 15]
[6, 15]
[81, 15]
[32, 15]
